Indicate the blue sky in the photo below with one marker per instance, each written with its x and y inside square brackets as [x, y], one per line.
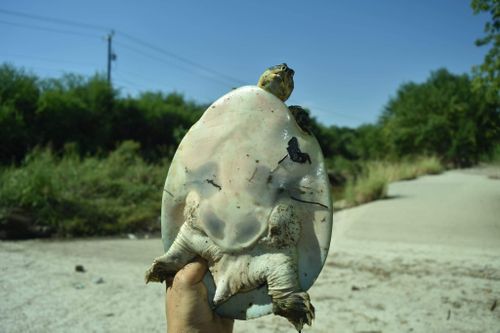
[349, 56]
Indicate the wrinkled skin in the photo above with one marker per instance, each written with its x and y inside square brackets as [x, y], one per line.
[272, 260]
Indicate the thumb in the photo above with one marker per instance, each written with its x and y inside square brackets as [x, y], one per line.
[187, 299]
[190, 274]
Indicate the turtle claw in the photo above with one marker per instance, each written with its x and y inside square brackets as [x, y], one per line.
[297, 308]
[222, 293]
[158, 272]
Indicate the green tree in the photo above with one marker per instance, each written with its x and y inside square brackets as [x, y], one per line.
[156, 120]
[442, 116]
[19, 93]
[487, 74]
[76, 109]
[368, 142]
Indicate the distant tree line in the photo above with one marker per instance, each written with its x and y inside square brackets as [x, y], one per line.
[443, 116]
[87, 113]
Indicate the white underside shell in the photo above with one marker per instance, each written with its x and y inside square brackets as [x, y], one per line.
[235, 158]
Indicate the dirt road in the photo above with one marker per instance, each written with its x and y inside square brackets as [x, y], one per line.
[425, 260]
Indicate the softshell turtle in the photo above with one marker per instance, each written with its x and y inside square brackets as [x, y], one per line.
[247, 190]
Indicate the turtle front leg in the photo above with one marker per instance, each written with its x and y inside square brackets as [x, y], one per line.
[189, 243]
[177, 256]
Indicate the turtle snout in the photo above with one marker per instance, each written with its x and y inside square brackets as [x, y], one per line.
[287, 70]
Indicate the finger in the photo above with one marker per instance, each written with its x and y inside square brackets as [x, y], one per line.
[191, 274]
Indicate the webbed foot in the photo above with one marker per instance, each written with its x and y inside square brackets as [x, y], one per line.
[159, 272]
[296, 307]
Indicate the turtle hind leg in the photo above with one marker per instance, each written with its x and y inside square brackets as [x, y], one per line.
[288, 298]
[296, 307]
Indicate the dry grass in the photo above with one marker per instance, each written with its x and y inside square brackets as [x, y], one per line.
[373, 181]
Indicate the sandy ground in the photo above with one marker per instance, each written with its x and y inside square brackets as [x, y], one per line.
[425, 260]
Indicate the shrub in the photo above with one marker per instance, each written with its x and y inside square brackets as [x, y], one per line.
[429, 165]
[71, 196]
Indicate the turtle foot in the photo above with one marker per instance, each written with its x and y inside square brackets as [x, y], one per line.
[296, 307]
[159, 272]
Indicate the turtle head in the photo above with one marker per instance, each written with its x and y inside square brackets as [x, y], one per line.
[278, 80]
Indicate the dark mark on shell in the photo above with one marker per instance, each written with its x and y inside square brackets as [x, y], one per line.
[253, 175]
[295, 154]
[211, 182]
[165, 190]
[309, 202]
[282, 159]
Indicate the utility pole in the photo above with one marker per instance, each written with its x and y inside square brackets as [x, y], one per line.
[111, 54]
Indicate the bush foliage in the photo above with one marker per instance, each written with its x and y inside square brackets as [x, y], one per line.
[73, 196]
[88, 113]
[443, 116]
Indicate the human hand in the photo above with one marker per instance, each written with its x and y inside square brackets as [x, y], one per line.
[187, 307]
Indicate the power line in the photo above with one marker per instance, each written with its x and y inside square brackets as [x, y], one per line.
[37, 27]
[182, 59]
[343, 115]
[58, 70]
[164, 61]
[54, 20]
[215, 75]
[136, 40]
[130, 84]
[152, 57]
[325, 111]
[51, 60]
[140, 77]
